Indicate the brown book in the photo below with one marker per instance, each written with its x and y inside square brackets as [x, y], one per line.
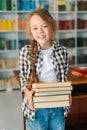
[52, 104]
[68, 92]
[52, 89]
[51, 84]
[50, 98]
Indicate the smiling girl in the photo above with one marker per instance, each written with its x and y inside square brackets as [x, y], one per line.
[43, 60]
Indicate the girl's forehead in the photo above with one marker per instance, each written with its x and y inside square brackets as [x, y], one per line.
[36, 18]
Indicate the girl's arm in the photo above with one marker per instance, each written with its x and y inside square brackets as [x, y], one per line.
[24, 75]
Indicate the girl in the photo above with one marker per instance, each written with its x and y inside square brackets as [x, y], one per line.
[46, 61]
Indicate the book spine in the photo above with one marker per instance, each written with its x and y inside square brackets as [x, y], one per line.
[52, 89]
[52, 84]
[33, 4]
[51, 98]
[8, 4]
[4, 5]
[51, 104]
[2, 45]
[53, 93]
[19, 5]
[0, 24]
[5, 25]
[13, 5]
[1, 5]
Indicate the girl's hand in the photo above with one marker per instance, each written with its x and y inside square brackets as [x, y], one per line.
[29, 94]
[30, 99]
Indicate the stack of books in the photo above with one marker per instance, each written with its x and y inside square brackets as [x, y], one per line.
[48, 95]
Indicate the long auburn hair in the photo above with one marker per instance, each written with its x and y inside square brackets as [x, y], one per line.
[46, 16]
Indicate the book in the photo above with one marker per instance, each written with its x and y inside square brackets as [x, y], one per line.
[4, 5]
[2, 46]
[51, 84]
[8, 2]
[81, 71]
[50, 98]
[51, 104]
[52, 89]
[13, 5]
[53, 93]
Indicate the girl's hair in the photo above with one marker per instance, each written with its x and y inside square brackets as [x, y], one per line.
[33, 77]
[46, 16]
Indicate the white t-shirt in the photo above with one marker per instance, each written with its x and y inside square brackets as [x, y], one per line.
[47, 73]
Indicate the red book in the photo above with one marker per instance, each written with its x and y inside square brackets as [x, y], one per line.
[81, 71]
[64, 24]
[85, 23]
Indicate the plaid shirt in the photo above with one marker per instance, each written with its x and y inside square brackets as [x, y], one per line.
[59, 58]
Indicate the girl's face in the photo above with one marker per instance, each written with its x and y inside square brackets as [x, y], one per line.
[41, 31]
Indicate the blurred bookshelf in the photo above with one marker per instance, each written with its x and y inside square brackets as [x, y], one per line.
[70, 16]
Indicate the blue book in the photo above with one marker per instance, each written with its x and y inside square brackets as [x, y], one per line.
[19, 4]
[33, 4]
[26, 5]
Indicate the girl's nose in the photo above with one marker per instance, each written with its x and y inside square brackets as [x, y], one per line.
[40, 29]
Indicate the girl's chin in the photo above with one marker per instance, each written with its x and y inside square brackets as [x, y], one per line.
[42, 42]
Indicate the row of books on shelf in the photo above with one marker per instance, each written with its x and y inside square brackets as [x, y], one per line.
[8, 82]
[6, 44]
[22, 24]
[70, 42]
[7, 5]
[23, 43]
[9, 63]
[55, 94]
[66, 24]
[7, 24]
[70, 24]
[81, 41]
[60, 5]
[64, 5]
[82, 58]
[69, 5]
[82, 23]
[82, 5]
[28, 5]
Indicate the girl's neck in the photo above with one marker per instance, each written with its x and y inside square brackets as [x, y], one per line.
[46, 46]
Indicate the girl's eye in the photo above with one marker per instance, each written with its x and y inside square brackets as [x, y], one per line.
[34, 28]
[45, 26]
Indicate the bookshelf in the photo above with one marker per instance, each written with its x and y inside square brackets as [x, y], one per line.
[71, 17]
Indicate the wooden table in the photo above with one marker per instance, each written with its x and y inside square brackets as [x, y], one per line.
[76, 79]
